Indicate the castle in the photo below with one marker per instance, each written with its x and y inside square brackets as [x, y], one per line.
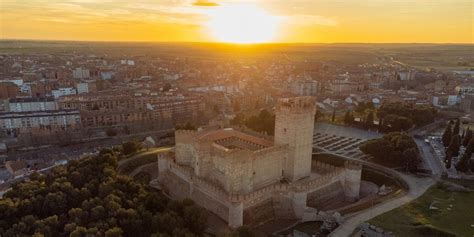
[246, 178]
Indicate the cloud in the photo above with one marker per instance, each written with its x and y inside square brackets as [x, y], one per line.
[305, 19]
[205, 3]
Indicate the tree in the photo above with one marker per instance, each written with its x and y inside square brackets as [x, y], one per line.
[395, 123]
[361, 107]
[243, 231]
[186, 126]
[393, 149]
[467, 137]
[318, 115]
[236, 106]
[167, 87]
[448, 159]
[464, 163]
[447, 136]
[110, 132]
[264, 122]
[239, 119]
[87, 197]
[126, 130]
[456, 127]
[369, 121]
[348, 118]
[418, 114]
[216, 109]
[131, 147]
[411, 159]
[454, 145]
[114, 232]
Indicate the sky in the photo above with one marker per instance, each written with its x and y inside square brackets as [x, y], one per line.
[288, 21]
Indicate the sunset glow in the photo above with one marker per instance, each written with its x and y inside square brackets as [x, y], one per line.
[242, 24]
[249, 21]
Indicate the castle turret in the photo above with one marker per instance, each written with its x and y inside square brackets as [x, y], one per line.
[353, 173]
[294, 125]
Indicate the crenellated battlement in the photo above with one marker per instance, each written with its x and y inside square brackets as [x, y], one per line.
[281, 148]
[305, 104]
[353, 165]
[184, 131]
[186, 172]
[185, 136]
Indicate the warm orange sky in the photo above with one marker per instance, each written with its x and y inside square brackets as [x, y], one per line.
[316, 21]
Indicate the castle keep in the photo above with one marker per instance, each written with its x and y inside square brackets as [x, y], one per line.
[247, 178]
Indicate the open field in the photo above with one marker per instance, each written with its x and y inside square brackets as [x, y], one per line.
[453, 217]
[439, 56]
[444, 57]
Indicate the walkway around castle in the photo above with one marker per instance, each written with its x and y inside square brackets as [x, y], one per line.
[417, 187]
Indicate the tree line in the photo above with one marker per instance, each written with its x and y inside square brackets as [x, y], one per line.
[453, 140]
[263, 122]
[392, 117]
[396, 149]
[88, 197]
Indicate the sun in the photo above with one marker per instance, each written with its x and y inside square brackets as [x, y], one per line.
[243, 24]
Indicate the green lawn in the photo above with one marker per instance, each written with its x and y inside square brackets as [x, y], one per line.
[416, 219]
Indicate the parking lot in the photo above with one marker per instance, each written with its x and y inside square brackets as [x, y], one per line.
[341, 140]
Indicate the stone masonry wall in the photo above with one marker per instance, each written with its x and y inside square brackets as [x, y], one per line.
[260, 213]
[294, 125]
[317, 198]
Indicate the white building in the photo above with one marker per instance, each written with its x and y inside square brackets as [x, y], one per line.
[31, 104]
[81, 73]
[171, 77]
[453, 100]
[304, 88]
[63, 91]
[25, 88]
[465, 89]
[128, 62]
[406, 75]
[107, 75]
[40, 119]
[17, 81]
[82, 87]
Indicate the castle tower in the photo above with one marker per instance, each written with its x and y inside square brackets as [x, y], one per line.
[353, 174]
[294, 125]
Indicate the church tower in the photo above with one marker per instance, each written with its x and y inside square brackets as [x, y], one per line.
[294, 125]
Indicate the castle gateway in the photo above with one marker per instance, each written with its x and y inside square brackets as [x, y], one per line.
[248, 178]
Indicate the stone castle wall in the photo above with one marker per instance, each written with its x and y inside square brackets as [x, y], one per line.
[274, 201]
[318, 198]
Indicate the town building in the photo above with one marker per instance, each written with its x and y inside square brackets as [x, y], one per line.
[30, 104]
[406, 75]
[80, 73]
[63, 92]
[466, 88]
[345, 86]
[16, 167]
[17, 122]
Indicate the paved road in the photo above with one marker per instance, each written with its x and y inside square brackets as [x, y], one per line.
[430, 159]
[417, 187]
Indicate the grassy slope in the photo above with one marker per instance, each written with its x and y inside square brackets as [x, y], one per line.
[142, 158]
[405, 220]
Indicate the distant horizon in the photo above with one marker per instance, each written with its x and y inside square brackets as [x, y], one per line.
[228, 43]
